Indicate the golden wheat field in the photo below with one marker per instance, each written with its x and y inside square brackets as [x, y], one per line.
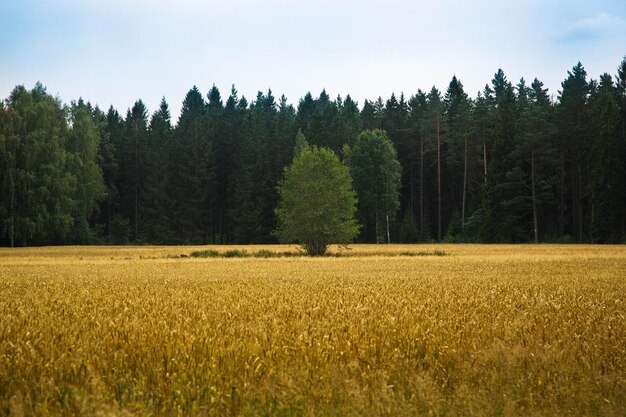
[530, 330]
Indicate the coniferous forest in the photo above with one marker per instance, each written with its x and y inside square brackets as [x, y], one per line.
[513, 163]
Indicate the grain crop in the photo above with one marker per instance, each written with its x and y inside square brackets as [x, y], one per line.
[486, 330]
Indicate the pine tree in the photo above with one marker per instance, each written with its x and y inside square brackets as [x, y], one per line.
[376, 173]
[306, 107]
[223, 167]
[621, 97]
[194, 168]
[83, 145]
[234, 115]
[368, 116]
[532, 182]
[607, 173]
[349, 124]
[498, 218]
[255, 182]
[116, 223]
[133, 165]
[416, 120]
[323, 126]
[158, 208]
[574, 138]
[458, 112]
[434, 130]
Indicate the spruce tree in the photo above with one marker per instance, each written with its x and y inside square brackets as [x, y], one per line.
[83, 145]
[459, 156]
[574, 138]
[194, 167]
[158, 208]
[607, 168]
[376, 173]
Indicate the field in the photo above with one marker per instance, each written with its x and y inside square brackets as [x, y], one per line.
[530, 330]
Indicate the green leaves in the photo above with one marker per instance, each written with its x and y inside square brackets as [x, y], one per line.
[376, 171]
[317, 203]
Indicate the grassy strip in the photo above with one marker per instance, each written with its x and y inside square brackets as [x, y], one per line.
[240, 253]
[435, 253]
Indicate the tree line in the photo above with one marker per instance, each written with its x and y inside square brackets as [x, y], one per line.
[511, 164]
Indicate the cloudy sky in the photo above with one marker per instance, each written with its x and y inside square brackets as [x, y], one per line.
[117, 51]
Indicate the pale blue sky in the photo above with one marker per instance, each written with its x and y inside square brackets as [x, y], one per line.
[117, 51]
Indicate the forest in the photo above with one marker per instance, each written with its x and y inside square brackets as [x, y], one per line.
[512, 164]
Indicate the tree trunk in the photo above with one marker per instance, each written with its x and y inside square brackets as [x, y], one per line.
[464, 183]
[136, 212]
[109, 229]
[376, 226]
[562, 203]
[575, 201]
[12, 213]
[438, 182]
[421, 187]
[485, 160]
[580, 202]
[388, 235]
[576, 184]
[532, 184]
[136, 151]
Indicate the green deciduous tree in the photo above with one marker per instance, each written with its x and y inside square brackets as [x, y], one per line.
[376, 172]
[317, 203]
[83, 145]
[37, 186]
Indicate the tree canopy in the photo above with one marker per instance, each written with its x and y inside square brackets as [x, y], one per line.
[376, 173]
[317, 203]
[512, 163]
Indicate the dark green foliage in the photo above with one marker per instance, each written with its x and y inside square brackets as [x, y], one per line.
[376, 173]
[317, 203]
[235, 253]
[368, 116]
[510, 165]
[534, 181]
[258, 169]
[461, 157]
[408, 229]
[240, 253]
[434, 253]
[114, 225]
[497, 195]
[608, 201]
[38, 187]
[349, 121]
[209, 253]
[159, 205]
[83, 146]
[133, 166]
[573, 133]
[435, 135]
[193, 173]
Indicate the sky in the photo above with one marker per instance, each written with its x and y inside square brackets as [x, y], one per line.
[118, 51]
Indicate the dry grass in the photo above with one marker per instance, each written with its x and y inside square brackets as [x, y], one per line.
[487, 330]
